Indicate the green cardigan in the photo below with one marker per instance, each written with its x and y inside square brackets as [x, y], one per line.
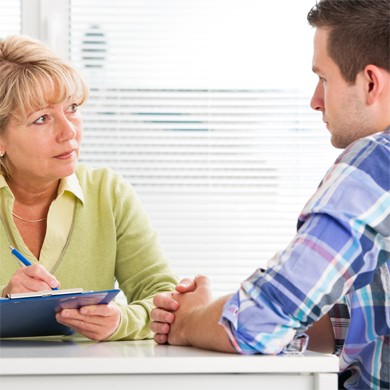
[110, 240]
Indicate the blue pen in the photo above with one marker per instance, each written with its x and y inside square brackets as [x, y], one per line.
[26, 262]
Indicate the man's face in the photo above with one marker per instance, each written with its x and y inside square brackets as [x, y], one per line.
[341, 103]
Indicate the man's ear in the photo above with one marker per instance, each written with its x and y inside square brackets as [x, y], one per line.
[374, 82]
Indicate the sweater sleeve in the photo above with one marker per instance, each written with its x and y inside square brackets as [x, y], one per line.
[141, 269]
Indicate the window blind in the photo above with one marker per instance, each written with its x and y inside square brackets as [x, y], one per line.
[223, 151]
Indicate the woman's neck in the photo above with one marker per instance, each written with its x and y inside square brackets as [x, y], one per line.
[28, 194]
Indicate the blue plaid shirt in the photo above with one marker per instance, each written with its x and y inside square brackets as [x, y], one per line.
[339, 262]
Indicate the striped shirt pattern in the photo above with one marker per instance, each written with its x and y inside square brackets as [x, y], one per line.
[339, 262]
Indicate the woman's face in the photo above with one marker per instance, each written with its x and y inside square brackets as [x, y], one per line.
[46, 147]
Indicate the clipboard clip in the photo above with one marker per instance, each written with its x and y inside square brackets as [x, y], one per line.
[45, 293]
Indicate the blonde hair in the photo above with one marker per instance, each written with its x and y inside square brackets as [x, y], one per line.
[32, 77]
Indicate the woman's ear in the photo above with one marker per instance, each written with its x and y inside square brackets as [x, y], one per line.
[374, 81]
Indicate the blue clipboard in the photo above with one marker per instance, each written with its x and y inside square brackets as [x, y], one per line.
[33, 314]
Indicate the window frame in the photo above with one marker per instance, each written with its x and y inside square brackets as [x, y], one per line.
[46, 20]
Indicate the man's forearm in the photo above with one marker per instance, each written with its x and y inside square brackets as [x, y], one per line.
[202, 328]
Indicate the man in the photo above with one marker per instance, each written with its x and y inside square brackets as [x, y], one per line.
[333, 280]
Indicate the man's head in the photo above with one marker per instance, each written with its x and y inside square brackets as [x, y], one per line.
[352, 59]
[359, 33]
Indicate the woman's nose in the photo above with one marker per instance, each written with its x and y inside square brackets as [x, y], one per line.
[66, 129]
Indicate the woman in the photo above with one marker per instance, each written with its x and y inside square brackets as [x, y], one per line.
[79, 227]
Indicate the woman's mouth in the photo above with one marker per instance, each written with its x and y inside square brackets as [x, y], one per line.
[65, 155]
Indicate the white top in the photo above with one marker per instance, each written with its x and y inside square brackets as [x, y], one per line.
[80, 356]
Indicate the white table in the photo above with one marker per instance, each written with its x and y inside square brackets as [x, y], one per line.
[74, 364]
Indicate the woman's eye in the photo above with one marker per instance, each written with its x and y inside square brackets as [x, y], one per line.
[41, 120]
[73, 107]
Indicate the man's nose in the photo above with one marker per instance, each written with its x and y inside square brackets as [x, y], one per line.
[317, 100]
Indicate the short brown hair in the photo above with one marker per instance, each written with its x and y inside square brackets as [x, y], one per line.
[359, 33]
[31, 77]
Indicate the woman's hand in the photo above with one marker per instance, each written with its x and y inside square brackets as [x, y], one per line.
[96, 322]
[32, 278]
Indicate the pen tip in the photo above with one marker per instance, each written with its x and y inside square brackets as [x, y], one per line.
[11, 247]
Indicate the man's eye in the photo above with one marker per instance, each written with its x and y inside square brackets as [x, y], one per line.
[41, 120]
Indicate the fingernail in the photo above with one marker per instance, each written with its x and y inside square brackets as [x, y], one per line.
[53, 283]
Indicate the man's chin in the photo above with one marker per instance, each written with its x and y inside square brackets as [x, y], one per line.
[336, 142]
[339, 143]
